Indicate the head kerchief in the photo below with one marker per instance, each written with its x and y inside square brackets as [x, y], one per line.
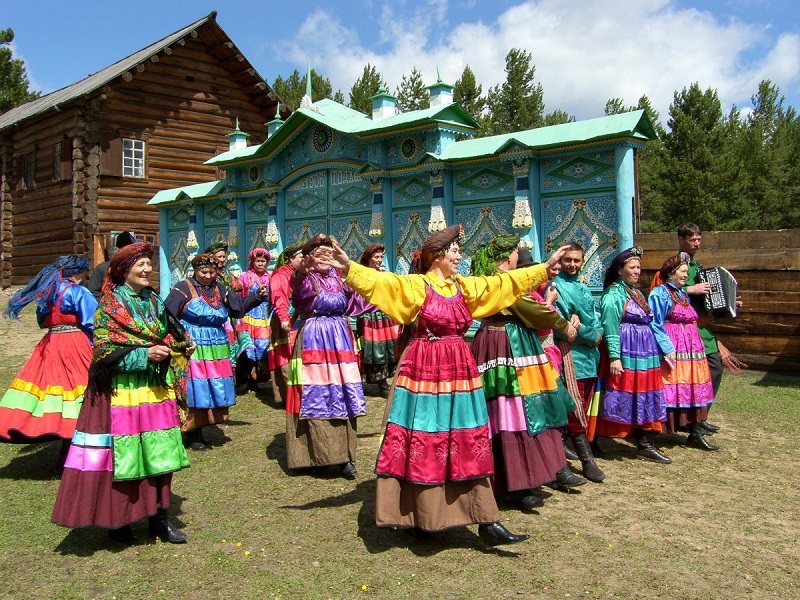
[44, 286]
[257, 252]
[369, 252]
[216, 247]
[318, 240]
[619, 262]
[204, 260]
[122, 262]
[486, 257]
[436, 244]
[288, 253]
[669, 267]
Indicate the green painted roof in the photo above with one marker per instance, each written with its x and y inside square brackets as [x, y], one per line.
[346, 120]
[196, 191]
[631, 124]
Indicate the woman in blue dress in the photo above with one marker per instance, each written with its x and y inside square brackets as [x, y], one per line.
[203, 305]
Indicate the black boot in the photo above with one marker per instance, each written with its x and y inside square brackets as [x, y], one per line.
[349, 470]
[647, 450]
[567, 450]
[584, 449]
[62, 454]
[697, 439]
[494, 534]
[526, 500]
[203, 437]
[708, 428]
[567, 479]
[383, 389]
[195, 440]
[160, 526]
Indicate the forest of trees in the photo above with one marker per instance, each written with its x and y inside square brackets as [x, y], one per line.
[739, 170]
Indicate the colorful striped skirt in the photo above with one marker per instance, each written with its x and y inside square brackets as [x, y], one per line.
[44, 399]
[124, 449]
[256, 324]
[687, 388]
[525, 403]
[634, 399]
[377, 336]
[438, 426]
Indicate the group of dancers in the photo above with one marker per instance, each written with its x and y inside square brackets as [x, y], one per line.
[131, 380]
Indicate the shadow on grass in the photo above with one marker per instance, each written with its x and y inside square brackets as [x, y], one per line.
[86, 541]
[614, 449]
[36, 462]
[778, 380]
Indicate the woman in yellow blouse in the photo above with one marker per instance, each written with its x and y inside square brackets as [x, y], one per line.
[436, 459]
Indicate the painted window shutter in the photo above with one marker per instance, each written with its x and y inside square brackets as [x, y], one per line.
[65, 166]
[110, 154]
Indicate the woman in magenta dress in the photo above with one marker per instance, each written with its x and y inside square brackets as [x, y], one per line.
[435, 463]
[44, 399]
[687, 379]
[252, 361]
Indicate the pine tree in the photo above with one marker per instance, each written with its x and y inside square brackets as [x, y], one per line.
[468, 94]
[412, 93]
[292, 89]
[695, 180]
[557, 117]
[518, 103]
[366, 86]
[13, 76]
[765, 153]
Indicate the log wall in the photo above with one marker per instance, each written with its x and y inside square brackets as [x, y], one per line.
[183, 102]
[766, 264]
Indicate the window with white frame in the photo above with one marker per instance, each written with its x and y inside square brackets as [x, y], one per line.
[133, 156]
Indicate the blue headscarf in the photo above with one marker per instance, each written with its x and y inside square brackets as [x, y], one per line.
[44, 287]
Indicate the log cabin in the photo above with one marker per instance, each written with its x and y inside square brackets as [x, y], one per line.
[80, 164]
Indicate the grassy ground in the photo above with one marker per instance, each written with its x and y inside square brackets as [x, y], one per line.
[711, 525]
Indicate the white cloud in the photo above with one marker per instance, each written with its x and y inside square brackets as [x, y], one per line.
[33, 83]
[584, 52]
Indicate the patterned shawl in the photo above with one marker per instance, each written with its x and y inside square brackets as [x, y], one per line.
[118, 330]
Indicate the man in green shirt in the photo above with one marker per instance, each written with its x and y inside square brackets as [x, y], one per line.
[575, 300]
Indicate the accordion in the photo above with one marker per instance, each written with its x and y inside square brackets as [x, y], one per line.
[721, 300]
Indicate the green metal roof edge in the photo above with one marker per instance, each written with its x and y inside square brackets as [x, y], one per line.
[195, 191]
[633, 124]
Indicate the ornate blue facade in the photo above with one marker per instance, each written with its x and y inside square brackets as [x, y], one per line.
[395, 177]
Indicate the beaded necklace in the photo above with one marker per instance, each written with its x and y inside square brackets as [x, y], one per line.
[212, 298]
[678, 297]
[637, 297]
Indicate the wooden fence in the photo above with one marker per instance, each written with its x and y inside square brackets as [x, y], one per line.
[766, 264]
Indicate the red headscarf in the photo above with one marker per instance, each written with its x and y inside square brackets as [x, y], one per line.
[668, 268]
[122, 262]
[318, 240]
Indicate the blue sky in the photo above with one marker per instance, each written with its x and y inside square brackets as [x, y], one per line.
[585, 51]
